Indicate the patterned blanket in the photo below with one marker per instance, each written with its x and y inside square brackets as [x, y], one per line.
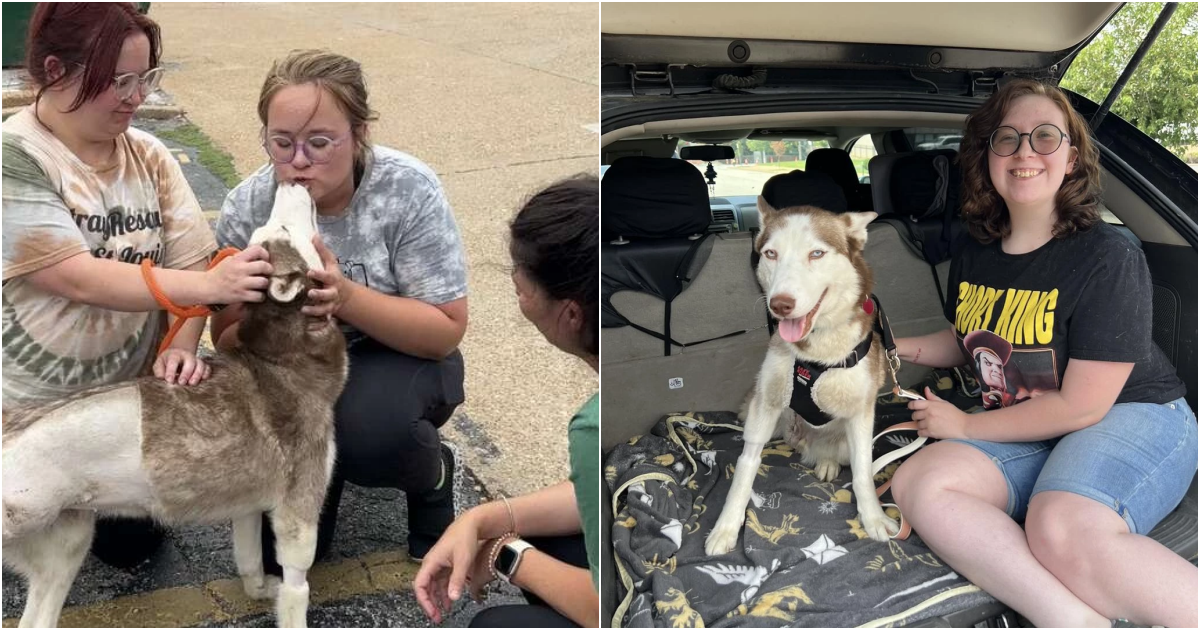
[803, 559]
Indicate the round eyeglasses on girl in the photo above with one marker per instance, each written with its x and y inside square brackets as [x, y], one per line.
[1044, 140]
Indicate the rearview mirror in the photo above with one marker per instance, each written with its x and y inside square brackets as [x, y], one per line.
[707, 153]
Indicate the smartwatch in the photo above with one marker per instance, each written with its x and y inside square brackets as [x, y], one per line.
[509, 558]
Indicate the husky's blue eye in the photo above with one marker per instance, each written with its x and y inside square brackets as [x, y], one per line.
[770, 253]
[816, 253]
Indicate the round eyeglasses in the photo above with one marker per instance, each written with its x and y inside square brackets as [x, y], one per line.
[125, 84]
[1044, 140]
[318, 149]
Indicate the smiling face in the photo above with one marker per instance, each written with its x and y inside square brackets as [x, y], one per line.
[106, 116]
[1027, 179]
[302, 111]
[806, 251]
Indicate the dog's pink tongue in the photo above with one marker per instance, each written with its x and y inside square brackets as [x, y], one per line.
[793, 330]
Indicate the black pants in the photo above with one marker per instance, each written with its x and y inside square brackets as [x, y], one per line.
[537, 613]
[386, 423]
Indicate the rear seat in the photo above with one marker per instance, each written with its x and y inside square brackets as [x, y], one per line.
[652, 287]
[837, 164]
[916, 196]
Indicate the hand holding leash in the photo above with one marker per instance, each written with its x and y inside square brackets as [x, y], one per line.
[938, 419]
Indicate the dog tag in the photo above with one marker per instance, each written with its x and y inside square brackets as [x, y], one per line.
[675, 383]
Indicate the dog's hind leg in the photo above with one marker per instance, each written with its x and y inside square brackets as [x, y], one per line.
[50, 560]
[870, 513]
[295, 548]
[772, 391]
[247, 554]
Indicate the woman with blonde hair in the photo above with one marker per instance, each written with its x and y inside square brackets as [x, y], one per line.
[394, 280]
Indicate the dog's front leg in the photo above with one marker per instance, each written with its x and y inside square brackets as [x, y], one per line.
[870, 513]
[247, 554]
[296, 548]
[772, 391]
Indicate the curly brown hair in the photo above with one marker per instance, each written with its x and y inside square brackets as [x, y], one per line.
[983, 210]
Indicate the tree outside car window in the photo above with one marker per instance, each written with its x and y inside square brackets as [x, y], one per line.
[1160, 98]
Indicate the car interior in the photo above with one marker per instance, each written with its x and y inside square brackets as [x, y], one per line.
[684, 321]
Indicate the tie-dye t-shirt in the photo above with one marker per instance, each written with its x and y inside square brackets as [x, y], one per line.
[55, 207]
[397, 236]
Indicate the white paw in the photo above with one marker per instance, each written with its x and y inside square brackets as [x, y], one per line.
[880, 527]
[260, 586]
[828, 470]
[723, 537]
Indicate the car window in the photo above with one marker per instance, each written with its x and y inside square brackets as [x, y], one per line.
[756, 161]
[861, 153]
[928, 139]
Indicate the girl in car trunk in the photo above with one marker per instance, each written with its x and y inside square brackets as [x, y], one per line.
[1085, 436]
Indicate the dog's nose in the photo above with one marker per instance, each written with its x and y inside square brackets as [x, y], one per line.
[782, 305]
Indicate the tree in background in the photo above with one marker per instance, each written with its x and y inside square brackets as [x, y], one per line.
[1160, 98]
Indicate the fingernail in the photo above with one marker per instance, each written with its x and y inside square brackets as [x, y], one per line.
[454, 594]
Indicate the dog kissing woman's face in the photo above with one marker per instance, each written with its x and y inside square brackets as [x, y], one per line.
[305, 121]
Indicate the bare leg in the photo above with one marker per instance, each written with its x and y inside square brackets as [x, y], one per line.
[1089, 548]
[955, 498]
[247, 554]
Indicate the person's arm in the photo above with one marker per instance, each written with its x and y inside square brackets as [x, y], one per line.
[937, 350]
[1088, 391]
[568, 589]
[550, 511]
[404, 324]
[179, 363]
[120, 286]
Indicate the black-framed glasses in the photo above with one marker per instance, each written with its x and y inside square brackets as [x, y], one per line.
[318, 149]
[1044, 140]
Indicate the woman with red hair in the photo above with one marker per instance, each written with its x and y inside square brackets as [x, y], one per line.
[86, 199]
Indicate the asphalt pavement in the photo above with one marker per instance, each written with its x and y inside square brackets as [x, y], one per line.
[501, 100]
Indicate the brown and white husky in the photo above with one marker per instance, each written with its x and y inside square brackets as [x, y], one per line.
[818, 287]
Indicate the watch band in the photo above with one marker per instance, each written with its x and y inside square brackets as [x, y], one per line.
[517, 546]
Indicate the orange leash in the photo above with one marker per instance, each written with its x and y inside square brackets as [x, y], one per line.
[182, 314]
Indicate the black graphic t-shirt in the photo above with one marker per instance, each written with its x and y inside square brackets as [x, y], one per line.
[1021, 318]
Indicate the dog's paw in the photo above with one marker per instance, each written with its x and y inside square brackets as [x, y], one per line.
[261, 586]
[880, 527]
[828, 470]
[723, 537]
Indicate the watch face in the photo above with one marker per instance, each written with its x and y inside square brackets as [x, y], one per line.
[505, 560]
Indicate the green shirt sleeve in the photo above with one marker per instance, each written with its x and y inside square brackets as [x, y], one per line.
[584, 442]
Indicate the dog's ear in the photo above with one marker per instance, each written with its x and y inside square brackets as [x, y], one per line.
[286, 288]
[858, 222]
[764, 210]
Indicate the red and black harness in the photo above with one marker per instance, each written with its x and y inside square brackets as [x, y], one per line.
[807, 373]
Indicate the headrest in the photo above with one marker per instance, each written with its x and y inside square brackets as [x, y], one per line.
[649, 197]
[835, 163]
[924, 184]
[799, 188]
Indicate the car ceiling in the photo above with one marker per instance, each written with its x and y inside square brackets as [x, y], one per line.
[1036, 26]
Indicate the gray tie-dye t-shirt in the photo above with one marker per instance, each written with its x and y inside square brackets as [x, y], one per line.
[398, 236]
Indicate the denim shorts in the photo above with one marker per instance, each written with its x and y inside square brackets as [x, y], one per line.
[1138, 460]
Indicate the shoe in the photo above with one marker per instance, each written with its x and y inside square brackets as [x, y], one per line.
[430, 513]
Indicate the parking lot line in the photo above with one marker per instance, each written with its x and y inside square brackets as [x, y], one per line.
[224, 600]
